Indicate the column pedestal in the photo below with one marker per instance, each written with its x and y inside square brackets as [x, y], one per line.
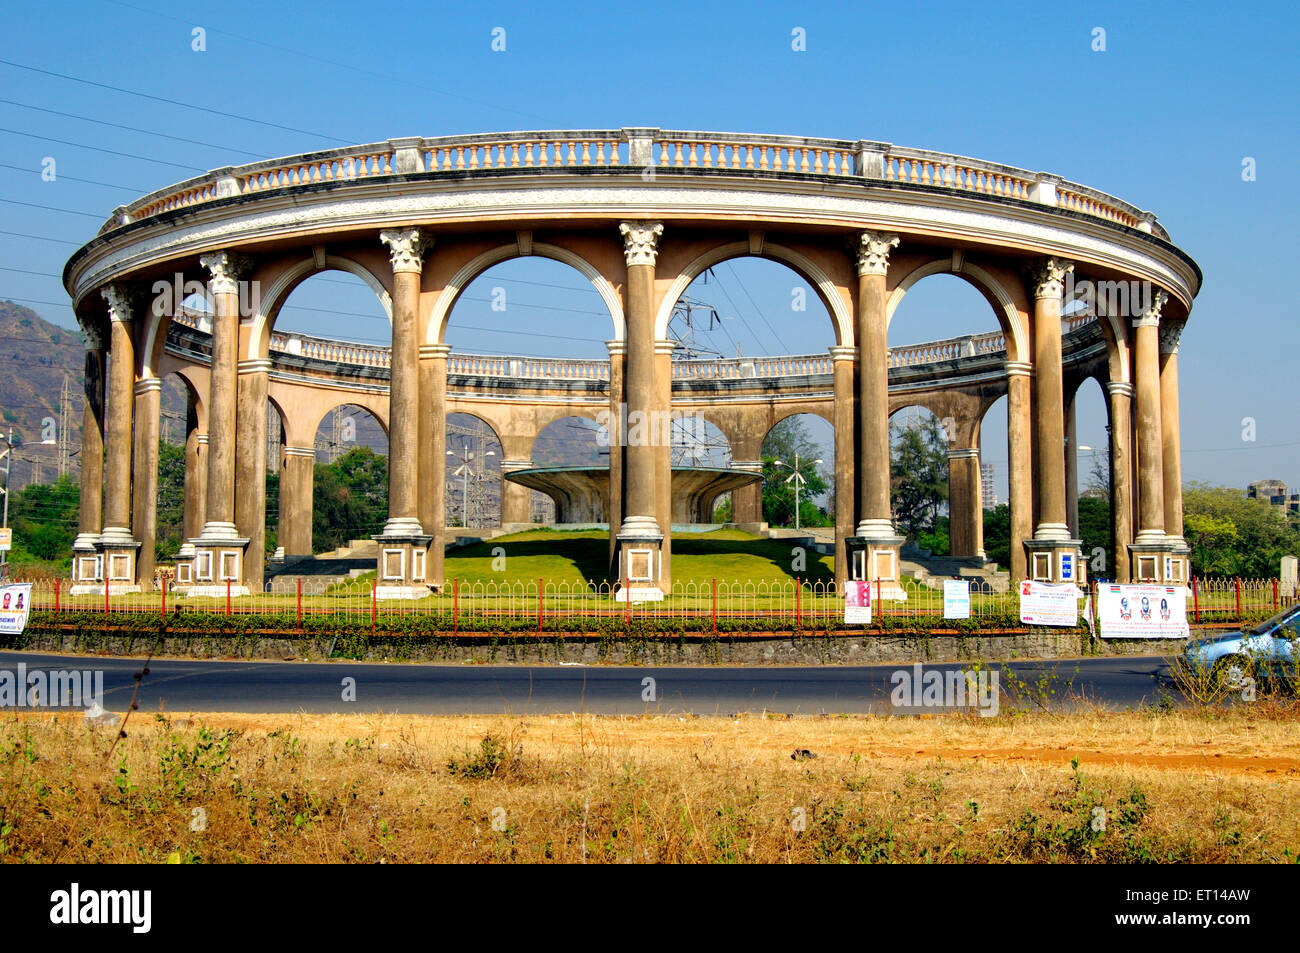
[87, 565]
[640, 551]
[403, 564]
[219, 553]
[876, 559]
[118, 554]
[1055, 560]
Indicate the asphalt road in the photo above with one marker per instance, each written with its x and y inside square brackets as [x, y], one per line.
[177, 685]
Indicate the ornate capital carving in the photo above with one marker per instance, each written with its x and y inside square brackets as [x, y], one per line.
[640, 241]
[226, 269]
[92, 335]
[1150, 318]
[1047, 275]
[872, 249]
[406, 248]
[1169, 335]
[121, 302]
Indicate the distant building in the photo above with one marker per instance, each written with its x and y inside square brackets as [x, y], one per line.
[1271, 491]
[987, 488]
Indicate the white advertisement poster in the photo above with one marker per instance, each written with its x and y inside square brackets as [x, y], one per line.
[1142, 612]
[956, 599]
[1048, 603]
[857, 602]
[15, 602]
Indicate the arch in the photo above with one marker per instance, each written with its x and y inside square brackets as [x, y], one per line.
[561, 418]
[841, 315]
[1008, 314]
[482, 262]
[289, 279]
[379, 418]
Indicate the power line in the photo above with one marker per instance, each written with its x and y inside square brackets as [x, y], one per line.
[111, 152]
[73, 178]
[173, 102]
[42, 238]
[52, 208]
[117, 125]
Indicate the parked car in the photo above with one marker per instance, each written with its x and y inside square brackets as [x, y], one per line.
[1268, 649]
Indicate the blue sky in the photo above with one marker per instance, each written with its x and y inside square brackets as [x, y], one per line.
[1162, 118]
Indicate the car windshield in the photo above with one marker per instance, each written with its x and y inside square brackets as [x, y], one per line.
[1291, 615]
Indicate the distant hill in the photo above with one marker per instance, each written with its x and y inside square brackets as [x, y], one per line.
[35, 357]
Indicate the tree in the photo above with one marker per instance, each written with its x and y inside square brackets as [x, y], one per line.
[44, 518]
[171, 501]
[918, 476]
[783, 442]
[1231, 535]
[997, 535]
[350, 498]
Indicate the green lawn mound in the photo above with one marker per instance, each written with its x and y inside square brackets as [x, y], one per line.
[582, 556]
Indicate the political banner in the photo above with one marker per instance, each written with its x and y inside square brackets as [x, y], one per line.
[15, 602]
[956, 599]
[857, 602]
[1047, 603]
[1142, 612]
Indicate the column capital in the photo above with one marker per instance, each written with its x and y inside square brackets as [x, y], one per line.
[406, 248]
[121, 302]
[872, 251]
[1120, 388]
[1150, 317]
[429, 352]
[843, 352]
[665, 347]
[226, 269]
[640, 241]
[300, 452]
[1047, 276]
[1018, 368]
[1169, 335]
[146, 384]
[964, 453]
[201, 439]
[91, 335]
[616, 348]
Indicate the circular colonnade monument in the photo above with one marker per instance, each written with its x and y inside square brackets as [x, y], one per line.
[641, 213]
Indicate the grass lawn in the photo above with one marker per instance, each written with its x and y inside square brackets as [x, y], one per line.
[579, 556]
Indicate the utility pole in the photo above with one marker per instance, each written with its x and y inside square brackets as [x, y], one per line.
[64, 416]
[7, 456]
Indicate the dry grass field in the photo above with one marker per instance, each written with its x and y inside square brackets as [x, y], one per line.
[1177, 786]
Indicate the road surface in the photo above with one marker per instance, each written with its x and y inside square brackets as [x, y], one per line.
[179, 685]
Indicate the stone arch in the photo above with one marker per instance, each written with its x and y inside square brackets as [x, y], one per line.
[380, 417]
[560, 415]
[1004, 306]
[285, 282]
[840, 311]
[458, 282]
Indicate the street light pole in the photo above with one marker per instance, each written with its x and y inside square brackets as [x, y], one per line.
[797, 479]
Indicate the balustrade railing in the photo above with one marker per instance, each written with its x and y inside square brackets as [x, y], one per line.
[638, 150]
[561, 369]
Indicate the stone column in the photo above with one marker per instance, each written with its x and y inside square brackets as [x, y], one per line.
[219, 549]
[432, 481]
[843, 359]
[403, 544]
[965, 503]
[118, 546]
[87, 572]
[1053, 552]
[1151, 546]
[297, 482]
[616, 433]
[1171, 456]
[640, 537]
[1072, 465]
[874, 550]
[144, 506]
[196, 445]
[1020, 487]
[662, 429]
[1121, 475]
[250, 466]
